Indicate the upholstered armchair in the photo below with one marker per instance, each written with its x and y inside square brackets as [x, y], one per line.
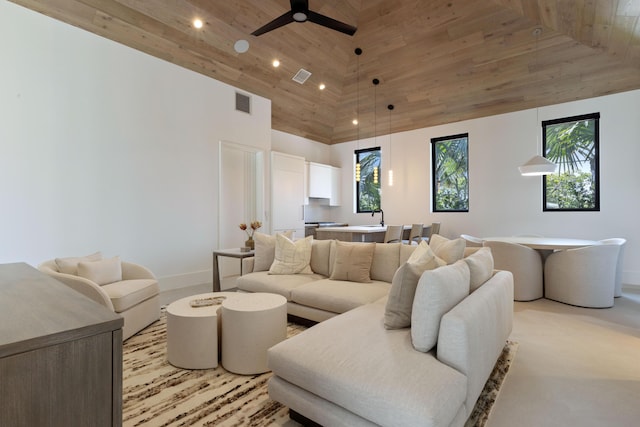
[128, 289]
[525, 264]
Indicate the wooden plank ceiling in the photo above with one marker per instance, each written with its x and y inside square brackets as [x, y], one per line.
[437, 61]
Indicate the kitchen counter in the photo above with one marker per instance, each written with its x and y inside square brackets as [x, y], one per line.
[360, 233]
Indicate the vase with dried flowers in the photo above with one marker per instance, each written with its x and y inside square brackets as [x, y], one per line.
[253, 226]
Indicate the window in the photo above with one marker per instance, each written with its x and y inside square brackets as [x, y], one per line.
[572, 143]
[450, 167]
[368, 188]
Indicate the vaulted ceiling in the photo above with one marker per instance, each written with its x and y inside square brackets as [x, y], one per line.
[438, 61]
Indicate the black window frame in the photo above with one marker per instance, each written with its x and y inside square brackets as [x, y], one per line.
[596, 142]
[434, 190]
[357, 154]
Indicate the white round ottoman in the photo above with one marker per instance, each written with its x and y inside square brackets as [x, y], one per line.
[193, 332]
[250, 326]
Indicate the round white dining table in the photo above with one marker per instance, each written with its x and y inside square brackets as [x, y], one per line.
[545, 243]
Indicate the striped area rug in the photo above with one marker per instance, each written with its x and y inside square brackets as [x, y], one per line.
[157, 394]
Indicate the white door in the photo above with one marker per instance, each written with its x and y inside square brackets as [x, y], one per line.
[287, 193]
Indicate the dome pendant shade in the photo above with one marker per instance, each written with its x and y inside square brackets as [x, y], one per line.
[537, 166]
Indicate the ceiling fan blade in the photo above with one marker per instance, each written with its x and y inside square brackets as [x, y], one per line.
[280, 21]
[325, 21]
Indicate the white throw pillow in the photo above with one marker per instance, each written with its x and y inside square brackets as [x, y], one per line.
[449, 250]
[397, 313]
[101, 272]
[265, 250]
[292, 257]
[70, 265]
[480, 267]
[438, 292]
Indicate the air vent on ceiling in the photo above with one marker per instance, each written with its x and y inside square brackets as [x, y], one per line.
[301, 76]
[243, 103]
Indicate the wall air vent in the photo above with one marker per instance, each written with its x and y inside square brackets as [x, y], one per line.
[301, 76]
[243, 103]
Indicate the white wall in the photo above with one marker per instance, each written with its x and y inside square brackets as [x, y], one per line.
[501, 201]
[106, 148]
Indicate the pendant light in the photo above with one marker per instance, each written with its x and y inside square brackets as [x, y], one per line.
[358, 52]
[390, 107]
[375, 82]
[537, 165]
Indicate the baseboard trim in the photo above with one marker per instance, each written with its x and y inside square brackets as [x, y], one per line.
[169, 283]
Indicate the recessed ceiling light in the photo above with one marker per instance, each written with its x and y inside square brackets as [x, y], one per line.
[276, 63]
[197, 23]
[241, 46]
[354, 121]
[321, 86]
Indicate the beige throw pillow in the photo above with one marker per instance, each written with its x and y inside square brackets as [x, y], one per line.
[70, 265]
[292, 257]
[449, 250]
[438, 292]
[353, 262]
[101, 272]
[265, 250]
[397, 313]
[480, 267]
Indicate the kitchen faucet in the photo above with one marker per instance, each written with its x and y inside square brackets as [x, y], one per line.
[382, 212]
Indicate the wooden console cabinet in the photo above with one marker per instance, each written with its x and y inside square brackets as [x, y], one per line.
[60, 354]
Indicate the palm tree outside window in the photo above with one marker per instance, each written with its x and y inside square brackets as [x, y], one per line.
[368, 189]
[573, 144]
[450, 173]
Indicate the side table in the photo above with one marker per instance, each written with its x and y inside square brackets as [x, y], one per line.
[232, 253]
[250, 326]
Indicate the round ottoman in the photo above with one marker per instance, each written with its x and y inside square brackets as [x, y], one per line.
[250, 326]
[193, 332]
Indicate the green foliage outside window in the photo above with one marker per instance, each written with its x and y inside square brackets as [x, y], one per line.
[572, 144]
[367, 190]
[450, 156]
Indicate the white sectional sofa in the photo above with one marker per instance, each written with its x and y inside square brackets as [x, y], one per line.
[351, 369]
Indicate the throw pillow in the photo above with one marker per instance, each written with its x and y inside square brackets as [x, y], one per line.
[292, 257]
[480, 265]
[438, 292]
[265, 250]
[397, 312]
[353, 262]
[70, 265]
[449, 250]
[101, 272]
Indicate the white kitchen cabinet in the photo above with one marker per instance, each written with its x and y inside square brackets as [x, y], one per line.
[287, 193]
[320, 180]
[336, 193]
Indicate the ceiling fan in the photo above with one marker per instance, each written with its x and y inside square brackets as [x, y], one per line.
[300, 13]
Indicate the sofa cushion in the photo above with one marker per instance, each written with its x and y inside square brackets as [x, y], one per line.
[438, 292]
[386, 260]
[338, 296]
[403, 287]
[265, 250]
[292, 257]
[353, 261]
[370, 371]
[320, 251]
[127, 293]
[480, 265]
[69, 265]
[262, 281]
[101, 272]
[449, 250]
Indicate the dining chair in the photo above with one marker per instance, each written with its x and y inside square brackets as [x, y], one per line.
[472, 240]
[433, 229]
[620, 242]
[393, 233]
[584, 277]
[415, 235]
[525, 264]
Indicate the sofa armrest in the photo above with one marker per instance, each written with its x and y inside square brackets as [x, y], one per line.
[84, 286]
[131, 271]
[247, 265]
[473, 334]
